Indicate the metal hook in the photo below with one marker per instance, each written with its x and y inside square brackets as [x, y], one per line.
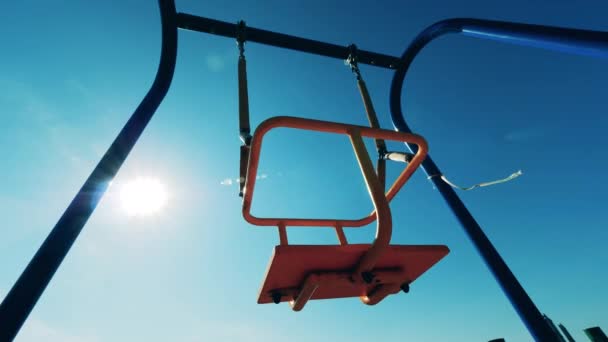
[352, 60]
[241, 37]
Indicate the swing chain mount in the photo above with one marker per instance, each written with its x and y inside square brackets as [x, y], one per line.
[241, 37]
[353, 61]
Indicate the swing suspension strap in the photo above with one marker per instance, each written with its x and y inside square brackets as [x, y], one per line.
[370, 112]
[383, 153]
[244, 127]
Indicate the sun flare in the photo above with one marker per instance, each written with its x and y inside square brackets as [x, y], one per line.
[143, 196]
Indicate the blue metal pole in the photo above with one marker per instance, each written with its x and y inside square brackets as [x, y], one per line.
[561, 39]
[23, 296]
[580, 42]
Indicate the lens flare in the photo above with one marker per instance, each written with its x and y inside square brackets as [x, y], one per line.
[143, 196]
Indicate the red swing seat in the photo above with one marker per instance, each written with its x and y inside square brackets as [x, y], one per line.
[291, 264]
[298, 273]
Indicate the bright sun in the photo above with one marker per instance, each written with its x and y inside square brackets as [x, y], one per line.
[143, 196]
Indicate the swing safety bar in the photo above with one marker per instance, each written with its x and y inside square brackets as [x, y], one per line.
[355, 133]
[26, 291]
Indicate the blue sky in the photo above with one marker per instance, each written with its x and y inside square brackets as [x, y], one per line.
[72, 72]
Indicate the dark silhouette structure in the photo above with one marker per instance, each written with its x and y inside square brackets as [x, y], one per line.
[28, 288]
[595, 334]
[566, 333]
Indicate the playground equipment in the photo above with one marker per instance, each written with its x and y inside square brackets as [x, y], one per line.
[300, 273]
[22, 297]
[370, 271]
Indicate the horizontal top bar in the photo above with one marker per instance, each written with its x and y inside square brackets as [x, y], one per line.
[222, 28]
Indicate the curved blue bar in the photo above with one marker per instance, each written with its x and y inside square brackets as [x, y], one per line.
[565, 44]
[23, 296]
[582, 42]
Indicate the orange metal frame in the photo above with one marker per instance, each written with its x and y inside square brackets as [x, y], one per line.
[355, 133]
[380, 199]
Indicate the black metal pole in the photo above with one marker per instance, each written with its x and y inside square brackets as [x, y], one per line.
[595, 334]
[222, 28]
[22, 297]
[561, 39]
